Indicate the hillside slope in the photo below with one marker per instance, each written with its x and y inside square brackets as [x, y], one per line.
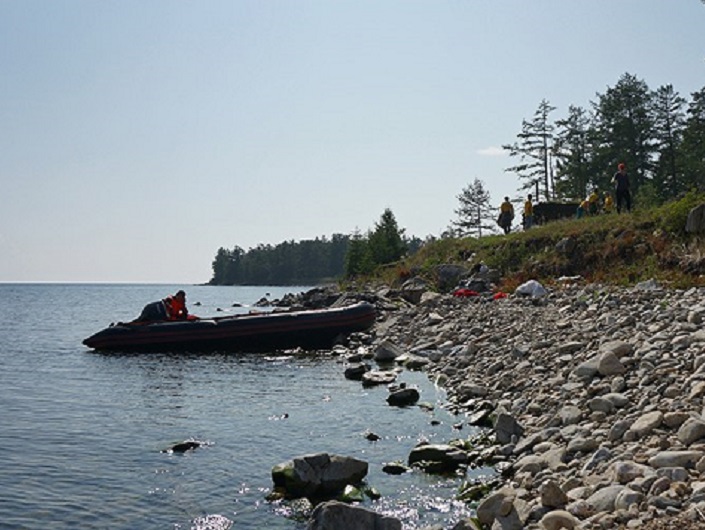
[619, 249]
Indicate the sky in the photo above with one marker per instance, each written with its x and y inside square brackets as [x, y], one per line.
[138, 137]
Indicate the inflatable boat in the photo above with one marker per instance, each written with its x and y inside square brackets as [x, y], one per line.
[262, 331]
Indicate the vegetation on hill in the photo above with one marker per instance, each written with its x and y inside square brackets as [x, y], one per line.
[609, 248]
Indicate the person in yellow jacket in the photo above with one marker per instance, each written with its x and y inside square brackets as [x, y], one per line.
[608, 205]
[528, 213]
[506, 215]
[583, 209]
[593, 200]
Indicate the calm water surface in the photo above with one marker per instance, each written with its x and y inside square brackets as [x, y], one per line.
[82, 431]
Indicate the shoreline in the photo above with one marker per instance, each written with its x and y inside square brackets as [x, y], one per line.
[600, 390]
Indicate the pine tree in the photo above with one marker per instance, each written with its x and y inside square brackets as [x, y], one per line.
[386, 240]
[475, 211]
[625, 130]
[358, 259]
[669, 122]
[692, 148]
[573, 152]
[534, 151]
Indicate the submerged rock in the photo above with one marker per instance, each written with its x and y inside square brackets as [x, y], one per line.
[403, 397]
[334, 515]
[186, 445]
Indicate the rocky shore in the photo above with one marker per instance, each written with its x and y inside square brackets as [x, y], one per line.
[594, 397]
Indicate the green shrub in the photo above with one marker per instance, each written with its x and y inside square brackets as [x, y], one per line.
[673, 215]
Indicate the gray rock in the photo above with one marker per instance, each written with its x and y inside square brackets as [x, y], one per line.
[440, 457]
[570, 348]
[602, 404]
[686, 459]
[356, 371]
[376, 377]
[570, 415]
[626, 498]
[695, 223]
[497, 504]
[624, 472]
[609, 364]
[318, 474]
[603, 499]
[552, 495]
[334, 515]
[645, 424]
[506, 427]
[583, 445]
[559, 519]
[618, 347]
[618, 429]
[387, 352]
[403, 397]
[586, 370]
[691, 431]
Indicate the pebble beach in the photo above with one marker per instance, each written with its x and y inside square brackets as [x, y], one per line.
[593, 395]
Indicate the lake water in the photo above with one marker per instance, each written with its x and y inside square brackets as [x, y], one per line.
[81, 432]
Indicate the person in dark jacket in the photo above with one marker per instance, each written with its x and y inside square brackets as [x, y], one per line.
[621, 188]
[172, 307]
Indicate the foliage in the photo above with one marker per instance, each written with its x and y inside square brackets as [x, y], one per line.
[386, 240]
[573, 154]
[673, 215]
[533, 150]
[310, 262]
[382, 246]
[661, 142]
[358, 260]
[669, 120]
[692, 148]
[475, 212]
[609, 248]
[305, 262]
[625, 129]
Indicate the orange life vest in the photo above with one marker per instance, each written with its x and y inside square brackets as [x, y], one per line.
[175, 308]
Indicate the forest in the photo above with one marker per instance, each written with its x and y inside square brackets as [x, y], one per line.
[311, 262]
[658, 134]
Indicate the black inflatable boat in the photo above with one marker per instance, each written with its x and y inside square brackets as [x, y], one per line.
[249, 332]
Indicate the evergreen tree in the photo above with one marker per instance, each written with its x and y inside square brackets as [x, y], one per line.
[534, 151]
[692, 148]
[386, 240]
[573, 152]
[475, 211]
[625, 131]
[669, 120]
[358, 260]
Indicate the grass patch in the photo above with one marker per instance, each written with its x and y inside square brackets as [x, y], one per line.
[620, 249]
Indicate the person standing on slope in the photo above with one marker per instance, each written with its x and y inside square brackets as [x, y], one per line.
[528, 213]
[621, 188]
[506, 215]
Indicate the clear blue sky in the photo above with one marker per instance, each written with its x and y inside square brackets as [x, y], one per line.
[138, 137]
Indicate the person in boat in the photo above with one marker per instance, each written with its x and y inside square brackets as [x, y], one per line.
[172, 307]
